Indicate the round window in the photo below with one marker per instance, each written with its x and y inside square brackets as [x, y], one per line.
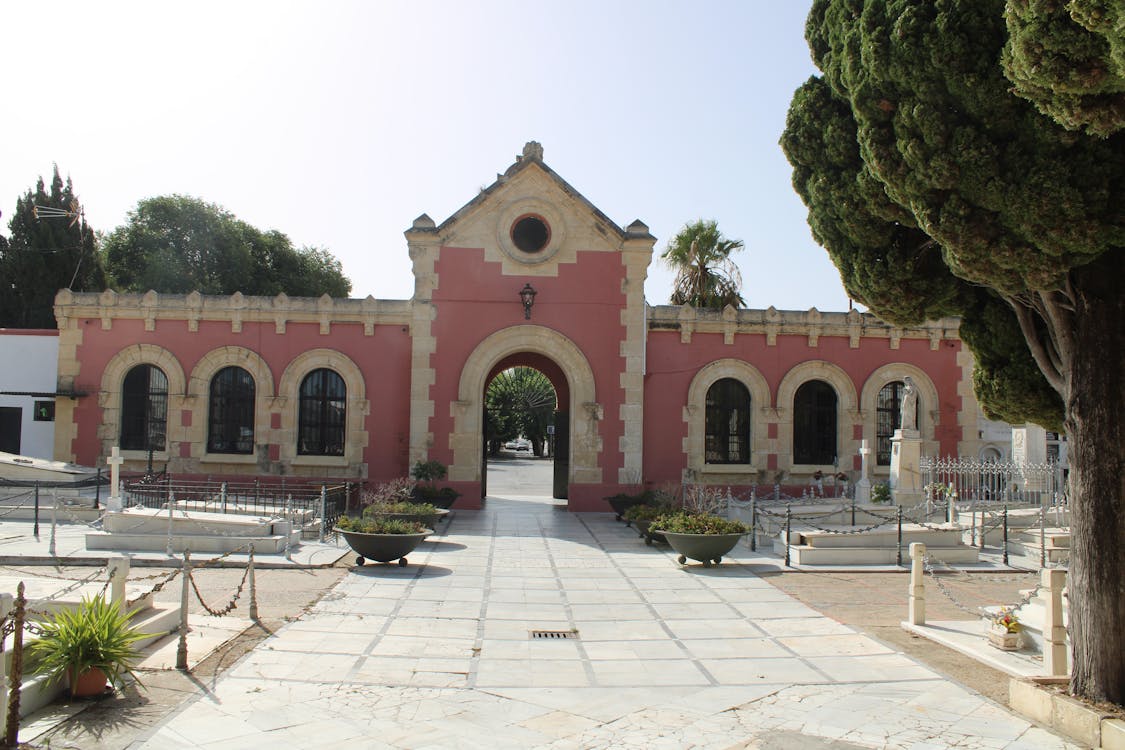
[530, 233]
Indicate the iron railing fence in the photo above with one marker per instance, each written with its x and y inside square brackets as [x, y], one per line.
[971, 481]
[313, 508]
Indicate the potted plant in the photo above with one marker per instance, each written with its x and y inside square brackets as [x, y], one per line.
[881, 493]
[641, 517]
[700, 536]
[622, 501]
[427, 473]
[92, 645]
[1004, 632]
[381, 539]
[406, 510]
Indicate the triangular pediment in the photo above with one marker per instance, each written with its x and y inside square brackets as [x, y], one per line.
[531, 192]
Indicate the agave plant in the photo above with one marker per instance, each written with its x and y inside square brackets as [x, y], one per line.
[96, 635]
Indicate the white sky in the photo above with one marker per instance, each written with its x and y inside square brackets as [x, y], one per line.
[339, 122]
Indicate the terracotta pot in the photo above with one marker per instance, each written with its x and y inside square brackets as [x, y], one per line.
[90, 683]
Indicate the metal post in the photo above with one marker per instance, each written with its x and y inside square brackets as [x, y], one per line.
[788, 531]
[1043, 531]
[35, 530]
[223, 496]
[899, 553]
[54, 521]
[753, 523]
[289, 530]
[181, 650]
[168, 547]
[1004, 518]
[98, 491]
[12, 725]
[853, 511]
[916, 609]
[253, 587]
[323, 512]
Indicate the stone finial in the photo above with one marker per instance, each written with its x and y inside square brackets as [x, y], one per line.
[423, 222]
[533, 150]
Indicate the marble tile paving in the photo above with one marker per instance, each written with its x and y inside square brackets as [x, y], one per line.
[439, 655]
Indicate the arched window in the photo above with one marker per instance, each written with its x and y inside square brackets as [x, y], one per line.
[144, 409]
[728, 423]
[888, 418]
[322, 415]
[814, 424]
[230, 412]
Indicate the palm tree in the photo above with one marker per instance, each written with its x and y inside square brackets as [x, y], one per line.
[520, 400]
[705, 274]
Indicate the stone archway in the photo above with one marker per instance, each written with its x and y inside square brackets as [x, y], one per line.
[466, 441]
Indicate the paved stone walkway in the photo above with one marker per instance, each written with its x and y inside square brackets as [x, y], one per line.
[439, 655]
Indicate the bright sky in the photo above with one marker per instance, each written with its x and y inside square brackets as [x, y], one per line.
[340, 122]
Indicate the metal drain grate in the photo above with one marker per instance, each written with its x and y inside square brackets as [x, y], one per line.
[553, 634]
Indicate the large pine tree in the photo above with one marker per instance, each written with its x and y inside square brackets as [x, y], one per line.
[51, 248]
[937, 189]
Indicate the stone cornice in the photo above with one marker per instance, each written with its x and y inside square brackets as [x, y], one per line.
[236, 309]
[811, 323]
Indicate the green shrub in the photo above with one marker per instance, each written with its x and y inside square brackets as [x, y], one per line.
[881, 493]
[379, 525]
[400, 507]
[698, 523]
[645, 512]
[428, 471]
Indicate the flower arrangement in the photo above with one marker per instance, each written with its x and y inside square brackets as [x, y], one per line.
[1006, 618]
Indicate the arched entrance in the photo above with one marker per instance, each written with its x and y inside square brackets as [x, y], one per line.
[560, 412]
[557, 357]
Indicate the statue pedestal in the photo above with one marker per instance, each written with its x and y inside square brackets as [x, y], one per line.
[906, 478]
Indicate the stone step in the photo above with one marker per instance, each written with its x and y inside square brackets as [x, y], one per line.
[155, 542]
[800, 554]
[884, 537]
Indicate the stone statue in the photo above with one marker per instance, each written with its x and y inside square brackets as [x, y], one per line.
[909, 419]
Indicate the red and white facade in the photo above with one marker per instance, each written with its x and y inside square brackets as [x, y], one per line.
[396, 381]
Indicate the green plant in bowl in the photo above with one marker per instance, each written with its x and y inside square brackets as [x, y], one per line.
[374, 525]
[95, 636]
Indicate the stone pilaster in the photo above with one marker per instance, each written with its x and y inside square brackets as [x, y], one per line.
[424, 244]
[636, 254]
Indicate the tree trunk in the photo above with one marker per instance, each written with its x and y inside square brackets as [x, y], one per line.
[1095, 407]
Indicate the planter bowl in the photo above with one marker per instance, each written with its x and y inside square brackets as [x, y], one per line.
[644, 528]
[705, 548]
[382, 547]
[622, 504]
[443, 500]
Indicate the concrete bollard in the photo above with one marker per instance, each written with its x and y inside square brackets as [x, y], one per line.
[118, 575]
[181, 648]
[1054, 632]
[916, 611]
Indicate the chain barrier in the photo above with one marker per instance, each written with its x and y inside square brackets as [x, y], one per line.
[226, 609]
[979, 611]
[803, 521]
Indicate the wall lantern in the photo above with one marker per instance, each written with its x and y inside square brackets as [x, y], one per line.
[527, 297]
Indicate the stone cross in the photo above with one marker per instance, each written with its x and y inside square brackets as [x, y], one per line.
[115, 460]
[863, 486]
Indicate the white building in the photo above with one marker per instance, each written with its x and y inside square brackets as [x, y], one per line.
[29, 363]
